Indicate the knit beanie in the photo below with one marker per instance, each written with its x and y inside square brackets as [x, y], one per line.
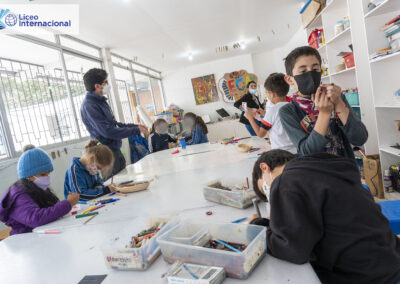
[33, 161]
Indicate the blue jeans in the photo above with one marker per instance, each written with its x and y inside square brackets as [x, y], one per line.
[251, 130]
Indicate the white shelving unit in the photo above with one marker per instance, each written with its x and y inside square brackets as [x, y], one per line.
[334, 11]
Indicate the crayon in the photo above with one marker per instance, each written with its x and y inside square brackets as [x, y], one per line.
[86, 215]
[227, 246]
[98, 207]
[88, 220]
[49, 232]
[240, 220]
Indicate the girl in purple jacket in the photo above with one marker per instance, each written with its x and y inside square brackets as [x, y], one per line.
[29, 203]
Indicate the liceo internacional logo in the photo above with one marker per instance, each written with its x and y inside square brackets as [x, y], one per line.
[39, 19]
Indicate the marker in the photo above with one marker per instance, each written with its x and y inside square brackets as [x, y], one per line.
[191, 272]
[49, 232]
[121, 194]
[98, 207]
[86, 215]
[88, 210]
[112, 193]
[228, 246]
[88, 220]
[240, 220]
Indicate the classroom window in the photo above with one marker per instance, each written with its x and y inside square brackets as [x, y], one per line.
[76, 68]
[144, 94]
[157, 94]
[126, 93]
[79, 46]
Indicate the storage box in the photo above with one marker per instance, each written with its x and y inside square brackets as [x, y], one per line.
[235, 198]
[313, 39]
[312, 10]
[118, 257]
[185, 241]
[373, 175]
[352, 98]
[349, 60]
[340, 67]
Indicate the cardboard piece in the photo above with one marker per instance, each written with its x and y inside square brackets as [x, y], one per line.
[373, 175]
[313, 9]
[4, 234]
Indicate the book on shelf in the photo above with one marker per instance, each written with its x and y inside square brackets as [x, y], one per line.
[393, 20]
[381, 52]
[393, 37]
[393, 32]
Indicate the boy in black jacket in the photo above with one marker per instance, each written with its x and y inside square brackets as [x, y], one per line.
[320, 213]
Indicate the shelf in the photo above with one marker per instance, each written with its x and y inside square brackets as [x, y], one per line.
[317, 22]
[390, 150]
[322, 48]
[386, 57]
[388, 106]
[355, 105]
[339, 35]
[386, 7]
[344, 71]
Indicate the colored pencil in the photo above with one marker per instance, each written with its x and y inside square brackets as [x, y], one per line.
[88, 220]
[86, 215]
[240, 220]
[98, 207]
[227, 245]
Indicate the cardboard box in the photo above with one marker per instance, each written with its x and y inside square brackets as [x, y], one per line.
[312, 10]
[373, 175]
[4, 234]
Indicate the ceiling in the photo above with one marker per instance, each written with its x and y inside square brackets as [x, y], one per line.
[161, 33]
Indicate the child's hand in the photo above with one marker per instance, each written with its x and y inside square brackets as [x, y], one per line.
[322, 101]
[334, 93]
[73, 199]
[252, 218]
[249, 113]
[112, 188]
[261, 111]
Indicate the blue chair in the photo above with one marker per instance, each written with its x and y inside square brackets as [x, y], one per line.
[391, 210]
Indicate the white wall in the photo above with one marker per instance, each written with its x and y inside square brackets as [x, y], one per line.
[178, 84]
[8, 170]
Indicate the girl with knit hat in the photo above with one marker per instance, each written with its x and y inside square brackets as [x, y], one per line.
[29, 202]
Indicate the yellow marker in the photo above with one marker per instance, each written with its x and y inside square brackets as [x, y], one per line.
[88, 210]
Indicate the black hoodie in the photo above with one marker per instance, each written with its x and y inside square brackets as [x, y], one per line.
[320, 213]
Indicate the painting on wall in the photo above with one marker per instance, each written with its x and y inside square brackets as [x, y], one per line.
[233, 85]
[205, 89]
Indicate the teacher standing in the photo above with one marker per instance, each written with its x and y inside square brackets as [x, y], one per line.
[99, 119]
[252, 101]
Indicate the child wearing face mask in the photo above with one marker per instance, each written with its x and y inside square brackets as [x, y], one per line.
[198, 129]
[29, 202]
[83, 176]
[321, 213]
[319, 118]
[252, 101]
[159, 137]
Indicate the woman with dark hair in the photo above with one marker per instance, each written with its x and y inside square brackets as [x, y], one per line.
[29, 202]
[198, 128]
[252, 101]
[321, 213]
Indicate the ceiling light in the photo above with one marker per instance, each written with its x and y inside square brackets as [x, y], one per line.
[190, 56]
[243, 45]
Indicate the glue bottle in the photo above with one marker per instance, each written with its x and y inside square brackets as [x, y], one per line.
[387, 181]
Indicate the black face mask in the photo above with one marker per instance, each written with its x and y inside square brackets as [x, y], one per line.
[308, 82]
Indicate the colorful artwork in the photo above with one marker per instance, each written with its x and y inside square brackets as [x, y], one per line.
[233, 85]
[205, 89]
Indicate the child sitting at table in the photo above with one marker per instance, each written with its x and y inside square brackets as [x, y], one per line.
[83, 176]
[29, 202]
[198, 128]
[321, 213]
[159, 138]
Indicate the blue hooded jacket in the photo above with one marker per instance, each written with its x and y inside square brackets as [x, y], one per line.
[101, 124]
[78, 179]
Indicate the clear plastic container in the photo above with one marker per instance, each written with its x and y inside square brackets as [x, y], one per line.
[235, 198]
[185, 241]
[118, 257]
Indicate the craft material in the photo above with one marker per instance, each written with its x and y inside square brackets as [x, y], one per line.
[189, 154]
[88, 220]
[175, 152]
[224, 245]
[134, 186]
[187, 273]
[253, 150]
[98, 207]
[244, 147]
[49, 232]
[74, 212]
[140, 239]
[86, 215]
[227, 245]
[209, 213]
[247, 181]
[255, 203]
[121, 194]
[93, 279]
[240, 220]
[183, 143]
[234, 193]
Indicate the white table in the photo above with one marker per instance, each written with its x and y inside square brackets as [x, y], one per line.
[76, 252]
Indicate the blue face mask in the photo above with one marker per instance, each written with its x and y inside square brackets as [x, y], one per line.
[253, 91]
[42, 182]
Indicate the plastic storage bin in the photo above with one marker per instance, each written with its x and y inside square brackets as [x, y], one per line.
[185, 241]
[120, 258]
[235, 198]
[352, 98]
